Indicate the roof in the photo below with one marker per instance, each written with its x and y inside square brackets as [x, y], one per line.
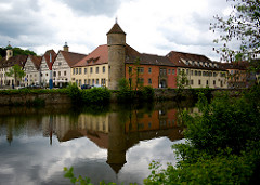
[72, 58]
[18, 59]
[190, 60]
[46, 56]
[242, 65]
[116, 30]
[97, 57]
[36, 60]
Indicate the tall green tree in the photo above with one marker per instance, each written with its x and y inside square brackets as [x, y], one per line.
[16, 72]
[242, 26]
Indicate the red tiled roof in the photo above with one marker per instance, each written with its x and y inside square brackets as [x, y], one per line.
[177, 57]
[18, 59]
[72, 58]
[96, 57]
[36, 60]
[236, 65]
[46, 56]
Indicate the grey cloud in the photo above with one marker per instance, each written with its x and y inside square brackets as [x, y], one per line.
[93, 7]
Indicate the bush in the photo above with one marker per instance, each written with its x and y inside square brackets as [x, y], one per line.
[75, 93]
[96, 96]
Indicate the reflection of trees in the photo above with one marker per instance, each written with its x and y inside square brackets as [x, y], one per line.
[117, 129]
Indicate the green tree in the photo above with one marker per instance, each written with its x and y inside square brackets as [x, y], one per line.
[182, 81]
[242, 25]
[19, 51]
[16, 72]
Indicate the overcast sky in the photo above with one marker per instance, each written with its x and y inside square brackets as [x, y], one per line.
[152, 26]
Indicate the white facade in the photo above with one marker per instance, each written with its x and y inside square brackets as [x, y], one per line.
[45, 73]
[61, 70]
[32, 73]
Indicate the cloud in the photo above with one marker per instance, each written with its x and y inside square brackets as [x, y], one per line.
[93, 7]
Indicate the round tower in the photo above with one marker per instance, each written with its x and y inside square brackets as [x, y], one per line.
[116, 43]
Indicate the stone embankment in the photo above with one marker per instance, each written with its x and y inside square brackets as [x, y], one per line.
[61, 98]
[34, 98]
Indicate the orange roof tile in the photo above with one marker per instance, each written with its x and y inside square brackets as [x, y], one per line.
[116, 30]
[46, 56]
[72, 58]
[97, 57]
[18, 59]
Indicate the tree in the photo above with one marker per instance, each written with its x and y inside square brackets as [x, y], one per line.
[16, 72]
[182, 81]
[241, 26]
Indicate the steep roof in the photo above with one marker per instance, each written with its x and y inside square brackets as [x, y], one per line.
[18, 59]
[96, 57]
[36, 60]
[116, 30]
[46, 56]
[72, 58]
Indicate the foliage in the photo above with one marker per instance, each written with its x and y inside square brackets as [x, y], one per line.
[123, 84]
[241, 25]
[182, 81]
[148, 93]
[74, 92]
[69, 173]
[16, 72]
[223, 147]
[19, 51]
[95, 96]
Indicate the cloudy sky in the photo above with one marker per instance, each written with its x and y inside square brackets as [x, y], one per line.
[152, 26]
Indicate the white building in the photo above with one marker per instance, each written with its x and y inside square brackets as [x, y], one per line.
[32, 70]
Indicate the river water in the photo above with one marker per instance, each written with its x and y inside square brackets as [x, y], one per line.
[113, 143]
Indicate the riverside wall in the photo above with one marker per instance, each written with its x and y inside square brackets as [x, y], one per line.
[61, 98]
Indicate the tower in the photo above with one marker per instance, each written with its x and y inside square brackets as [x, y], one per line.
[66, 47]
[116, 42]
[9, 52]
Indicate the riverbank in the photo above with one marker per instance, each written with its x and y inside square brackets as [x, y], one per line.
[55, 97]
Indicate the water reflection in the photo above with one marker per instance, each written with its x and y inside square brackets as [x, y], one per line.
[115, 129]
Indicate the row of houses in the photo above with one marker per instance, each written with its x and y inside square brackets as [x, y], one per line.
[108, 63]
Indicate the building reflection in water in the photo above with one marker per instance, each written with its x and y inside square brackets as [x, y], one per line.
[114, 131]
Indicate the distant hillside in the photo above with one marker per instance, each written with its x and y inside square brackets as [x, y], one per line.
[17, 51]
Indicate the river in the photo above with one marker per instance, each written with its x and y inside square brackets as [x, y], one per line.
[112, 143]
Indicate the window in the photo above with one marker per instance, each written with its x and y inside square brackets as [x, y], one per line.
[79, 71]
[85, 81]
[97, 70]
[91, 70]
[97, 81]
[141, 70]
[140, 80]
[150, 81]
[187, 72]
[214, 74]
[199, 73]
[85, 71]
[149, 70]
[191, 72]
[79, 82]
[92, 81]
[104, 69]
[207, 82]
[214, 82]
[54, 74]
[59, 73]
[74, 71]
[89, 81]
[169, 71]
[196, 72]
[199, 82]
[191, 82]
[65, 73]
[172, 71]
[163, 71]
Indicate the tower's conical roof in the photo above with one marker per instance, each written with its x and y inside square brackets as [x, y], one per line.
[116, 30]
